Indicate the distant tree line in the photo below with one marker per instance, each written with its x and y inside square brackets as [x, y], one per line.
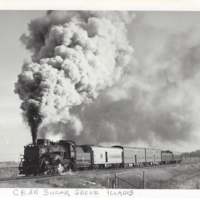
[192, 154]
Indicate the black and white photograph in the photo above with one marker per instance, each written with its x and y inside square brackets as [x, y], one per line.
[100, 99]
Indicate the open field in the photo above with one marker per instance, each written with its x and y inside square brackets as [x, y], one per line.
[8, 169]
[183, 176]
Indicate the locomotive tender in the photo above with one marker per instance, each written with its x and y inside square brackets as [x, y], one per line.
[47, 157]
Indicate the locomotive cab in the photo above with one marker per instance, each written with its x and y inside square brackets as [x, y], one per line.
[69, 154]
[70, 149]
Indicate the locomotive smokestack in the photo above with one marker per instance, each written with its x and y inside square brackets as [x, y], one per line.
[34, 129]
[76, 55]
[34, 135]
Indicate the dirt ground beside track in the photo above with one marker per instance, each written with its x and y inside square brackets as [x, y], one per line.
[180, 176]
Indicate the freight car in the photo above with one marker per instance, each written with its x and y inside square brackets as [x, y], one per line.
[93, 157]
[177, 157]
[152, 156]
[46, 157]
[132, 156]
[104, 157]
[166, 157]
[137, 156]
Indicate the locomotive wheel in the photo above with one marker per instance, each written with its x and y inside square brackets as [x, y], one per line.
[27, 174]
[49, 170]
[46, 168]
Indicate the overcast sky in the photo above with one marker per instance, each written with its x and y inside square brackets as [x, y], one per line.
[159, 103]
[14, 134]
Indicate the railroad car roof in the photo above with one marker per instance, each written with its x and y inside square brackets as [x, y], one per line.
[130, 147]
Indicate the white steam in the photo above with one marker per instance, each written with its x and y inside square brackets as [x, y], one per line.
[76, 55]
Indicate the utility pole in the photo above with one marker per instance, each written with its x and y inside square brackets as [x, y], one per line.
[108, 182]
[116, 180]
[143, 180]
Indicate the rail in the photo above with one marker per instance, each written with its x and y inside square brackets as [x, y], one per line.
[14, 178]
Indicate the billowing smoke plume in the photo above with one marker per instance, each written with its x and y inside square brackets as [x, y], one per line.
[75, 56]
[158, 102]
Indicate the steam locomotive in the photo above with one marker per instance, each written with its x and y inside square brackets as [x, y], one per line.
[47, 157]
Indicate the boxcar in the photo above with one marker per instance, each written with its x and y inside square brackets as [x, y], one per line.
[177, 157]
[105, 156]
[152, 156]
[132, 156]
[166, 157]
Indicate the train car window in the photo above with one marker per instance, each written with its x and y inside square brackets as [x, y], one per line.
[106, 156]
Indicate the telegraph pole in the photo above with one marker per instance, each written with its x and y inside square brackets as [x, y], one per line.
[143, 180]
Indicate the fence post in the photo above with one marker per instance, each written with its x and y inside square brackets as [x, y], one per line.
[143, 180]
[108, 182]
[113, 183]
[115, 180]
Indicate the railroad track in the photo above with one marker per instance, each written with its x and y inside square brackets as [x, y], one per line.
[16, 178]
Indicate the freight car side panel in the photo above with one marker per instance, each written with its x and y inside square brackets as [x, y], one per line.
[177, 157]
[153, 155]
[134, 155]
[166, 156]
[106, 155]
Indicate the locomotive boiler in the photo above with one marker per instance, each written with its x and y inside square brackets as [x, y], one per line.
[47, 157]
